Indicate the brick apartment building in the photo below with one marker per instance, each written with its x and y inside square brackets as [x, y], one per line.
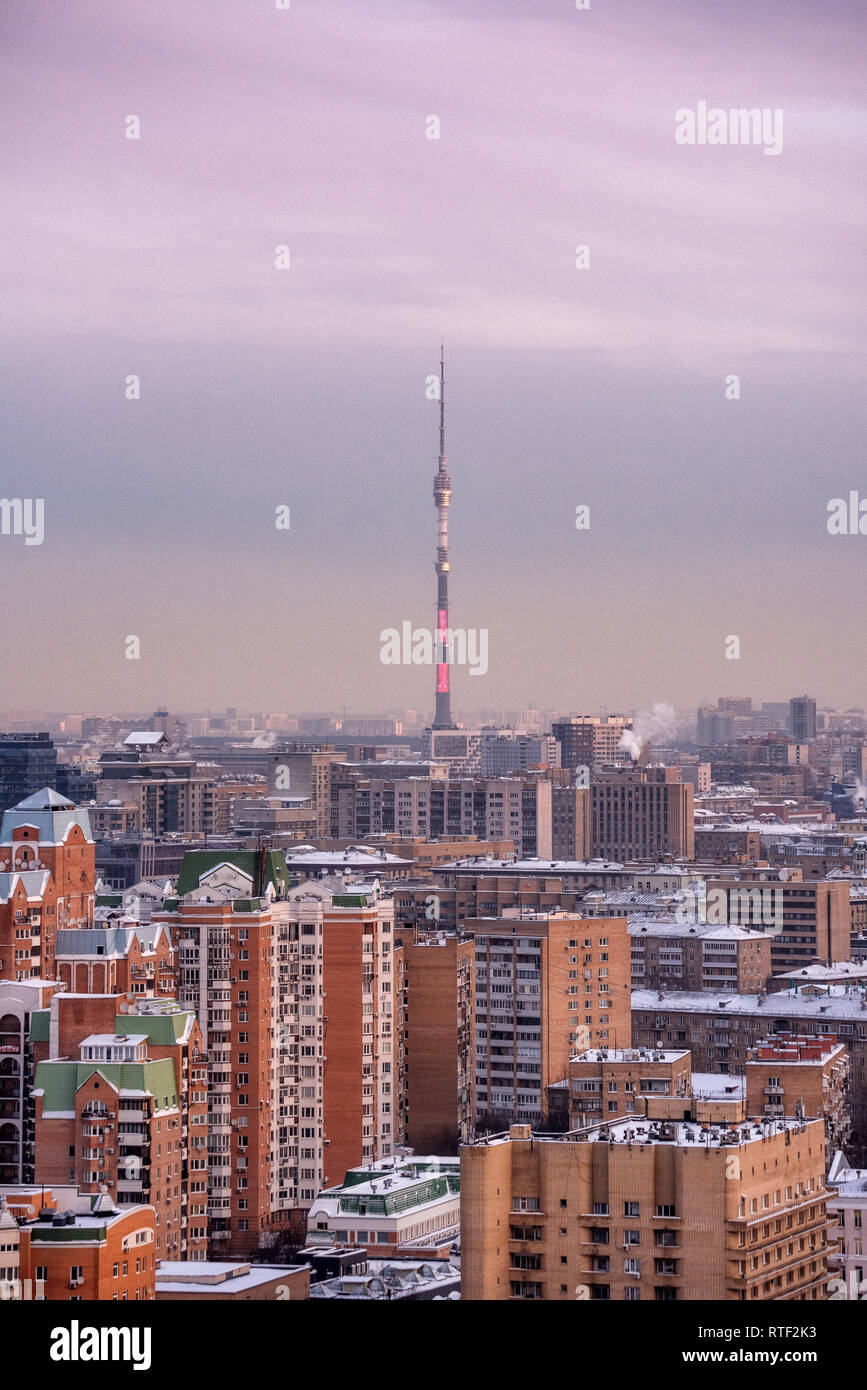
[46, 881]
[647, 1210]
[496, 808]
[720, 1029]
[437, 1004]
[284, 981]
[121, 1105]
[676, 956]
[604, 1083]
[544, 986]
[592, 741]
[124, 957]
[812, 921]
[796, 1075]
[68, 1246]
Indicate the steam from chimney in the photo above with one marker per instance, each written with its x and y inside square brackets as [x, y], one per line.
[264, 740]
[659, 723]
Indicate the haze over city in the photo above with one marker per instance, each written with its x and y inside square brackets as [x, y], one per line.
[306, 388]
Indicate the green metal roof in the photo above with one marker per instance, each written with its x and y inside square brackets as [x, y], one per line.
[404, 1199]
[161, 1029]
[39, 1023]
[199, 861]
[61, 1081]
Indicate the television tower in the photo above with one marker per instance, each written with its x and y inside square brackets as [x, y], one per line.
[442, 491]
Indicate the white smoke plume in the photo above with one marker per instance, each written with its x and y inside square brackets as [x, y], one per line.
[861, 792]
[649, 725]
[265, 740]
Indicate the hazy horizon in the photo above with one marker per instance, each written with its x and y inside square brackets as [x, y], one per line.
[305, 387]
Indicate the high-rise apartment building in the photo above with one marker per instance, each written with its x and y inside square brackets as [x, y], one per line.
[171, 795]
[806, 922]
[647, 1211]
[571, 823]
[294, 989]
[679, 955]
[545, 985]
[437, 1022]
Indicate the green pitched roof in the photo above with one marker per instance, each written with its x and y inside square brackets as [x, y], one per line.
[60, 1081]
[199, 861]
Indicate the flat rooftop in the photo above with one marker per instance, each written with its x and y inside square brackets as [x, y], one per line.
[838, 1002]
[217, 1277]
[630, 1054]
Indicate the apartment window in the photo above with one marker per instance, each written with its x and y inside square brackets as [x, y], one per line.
[631, 1209]
[632, 1237]
[665, 1209]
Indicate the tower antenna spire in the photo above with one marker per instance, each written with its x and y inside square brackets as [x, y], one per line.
[442, 405]
[442, 491]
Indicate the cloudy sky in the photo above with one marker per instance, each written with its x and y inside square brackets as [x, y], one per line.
[305, 387]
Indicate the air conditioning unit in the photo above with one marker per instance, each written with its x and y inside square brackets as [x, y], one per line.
[111, 1114]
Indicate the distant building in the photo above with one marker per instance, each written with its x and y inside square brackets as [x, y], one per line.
[27, 762]
[642, 812]
[592, 741]
[802, 717]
